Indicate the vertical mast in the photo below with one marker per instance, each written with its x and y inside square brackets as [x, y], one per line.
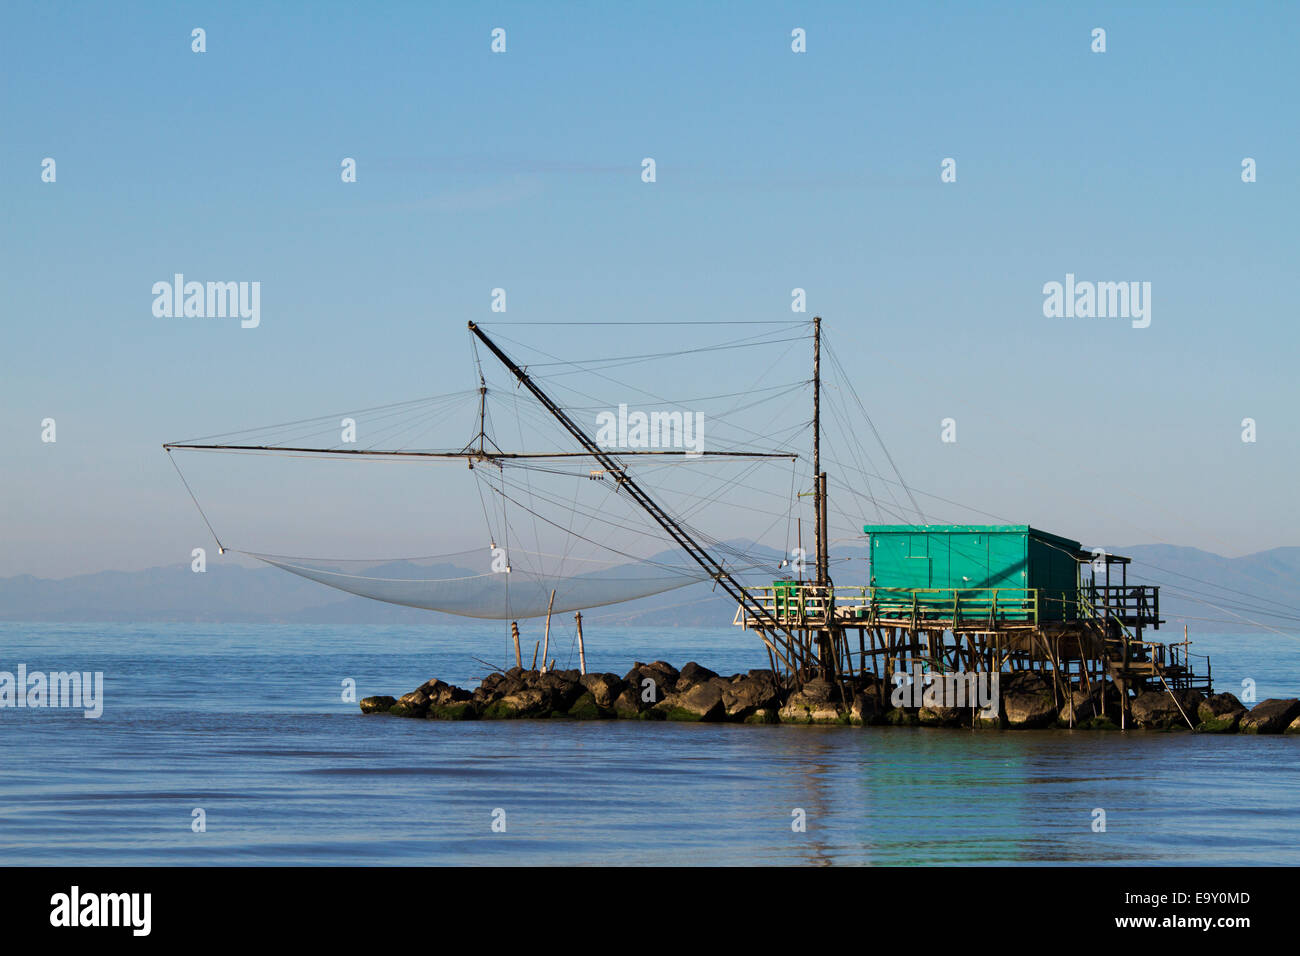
[819, 479]
[826, 593]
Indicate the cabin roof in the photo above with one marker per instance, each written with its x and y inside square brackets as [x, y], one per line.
[978, 529]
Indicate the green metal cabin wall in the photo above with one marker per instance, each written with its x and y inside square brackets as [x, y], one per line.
[1057, 576]
[978, 557]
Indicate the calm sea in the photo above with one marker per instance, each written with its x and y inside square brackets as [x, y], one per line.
[248, 724]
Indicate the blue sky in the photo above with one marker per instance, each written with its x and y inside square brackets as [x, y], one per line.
[775, 170]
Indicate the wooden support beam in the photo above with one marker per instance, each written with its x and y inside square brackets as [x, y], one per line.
[546, 648]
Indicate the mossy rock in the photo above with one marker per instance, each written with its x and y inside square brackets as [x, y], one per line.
[500, 710]
[1226, 724]
[900, 717]
[586, 708]
[462, 710]
[402, 710]
[682, 714]
[1096, 723]
[764, 715]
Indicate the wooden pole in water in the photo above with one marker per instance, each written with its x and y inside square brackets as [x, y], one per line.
[536, 646]
[582, 651]
[546, 645]
[514, 632]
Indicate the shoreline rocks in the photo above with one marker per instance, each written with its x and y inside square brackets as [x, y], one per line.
[1219, 714]
[1270, 716]
[1160, 710]
[659, 691]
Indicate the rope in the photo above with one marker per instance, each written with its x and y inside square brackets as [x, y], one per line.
[221, 549]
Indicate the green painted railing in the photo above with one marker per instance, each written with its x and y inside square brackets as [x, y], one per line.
[792, 602]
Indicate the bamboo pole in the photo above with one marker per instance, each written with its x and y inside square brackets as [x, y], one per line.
[514, 632]
[582, 651]
[546, 645]
[536, 647]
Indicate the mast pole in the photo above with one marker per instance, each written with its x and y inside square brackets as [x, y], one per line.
[826, 641]
[819, 499]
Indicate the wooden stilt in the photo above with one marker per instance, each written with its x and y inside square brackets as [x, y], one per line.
[546, 646]
[514, 632]
[582, 651]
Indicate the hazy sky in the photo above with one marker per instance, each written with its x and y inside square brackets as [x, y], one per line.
[775, 170]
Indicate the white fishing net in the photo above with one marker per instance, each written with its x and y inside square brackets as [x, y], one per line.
[467, 584]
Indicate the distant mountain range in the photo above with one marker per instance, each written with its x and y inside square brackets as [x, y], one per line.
[1210, 591]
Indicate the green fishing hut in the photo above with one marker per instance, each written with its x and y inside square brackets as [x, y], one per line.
[1033, 572]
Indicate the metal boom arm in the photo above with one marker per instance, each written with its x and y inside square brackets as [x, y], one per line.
[679, 534]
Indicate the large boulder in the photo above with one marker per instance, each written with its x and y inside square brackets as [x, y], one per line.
[490, 688]
[529, 702]
[586, 708]
[663, 673]
[431, 688]
[1270, 716]
[757, 691]
[664, 667]
[690, 675]
[491, 682]
[1294, 726]
[866, 709]
[564, 686]
[937, 715]
[630, 702]
[377, 705]
[700, 702]
[439, 693]
[512, 684]
[453, 710]
[1025, 711]
[901, 717]
[662, 678]
[820, 691]
[604, 688]
[1027, 700]
[1164, 710]
[414, 704]
[1219, 714]
[1080, 706]
[452, 695]
[801, 708]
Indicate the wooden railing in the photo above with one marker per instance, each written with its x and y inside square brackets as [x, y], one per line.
[800, 604]
[1135, 604]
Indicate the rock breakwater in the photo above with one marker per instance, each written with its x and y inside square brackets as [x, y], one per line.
[659, 691]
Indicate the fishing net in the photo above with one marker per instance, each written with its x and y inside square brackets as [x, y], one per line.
[467, 584]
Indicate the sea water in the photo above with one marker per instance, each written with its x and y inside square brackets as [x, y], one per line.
[234, 744]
